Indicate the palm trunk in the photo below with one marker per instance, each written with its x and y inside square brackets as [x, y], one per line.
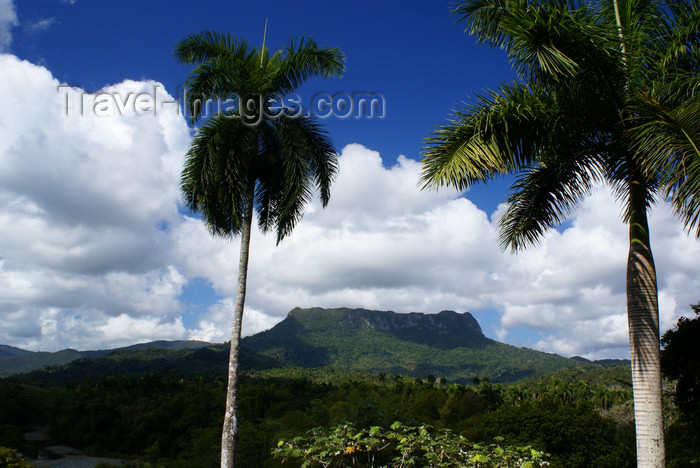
[643, 320]
[643, 315]
[229, 436]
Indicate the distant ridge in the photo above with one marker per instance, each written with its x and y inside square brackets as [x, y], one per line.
[602, 362]
[444, 329]
[177, 344]
[446, 344]
[15, 360]
[6, 351]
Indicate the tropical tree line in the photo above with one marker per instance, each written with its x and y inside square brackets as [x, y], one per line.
[176, 422]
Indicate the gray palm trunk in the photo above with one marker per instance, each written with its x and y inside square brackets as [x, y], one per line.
[229, 436]
[643, 321]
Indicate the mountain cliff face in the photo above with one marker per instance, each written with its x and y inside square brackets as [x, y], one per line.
[446, 344]
[445, 329]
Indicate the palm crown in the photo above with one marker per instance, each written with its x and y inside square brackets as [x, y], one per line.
[250, 147]
[581, 111]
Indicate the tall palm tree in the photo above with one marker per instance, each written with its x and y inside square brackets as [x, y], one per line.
[252, 155]
[604, 93]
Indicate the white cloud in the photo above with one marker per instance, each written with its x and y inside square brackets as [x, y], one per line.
[577, 284]
[8, 19]
[125, 330]
[86, 205]
[383, 244]
[94, 253]
[217, 323]
[39, 25]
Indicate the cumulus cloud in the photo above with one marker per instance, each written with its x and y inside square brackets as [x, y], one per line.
[95, 251]
[381, 243]
[216, 324]
[86, 205]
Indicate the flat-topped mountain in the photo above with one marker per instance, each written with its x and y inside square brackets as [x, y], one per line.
[446, 344]
[445, 329]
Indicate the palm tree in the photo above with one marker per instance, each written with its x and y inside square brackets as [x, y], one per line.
[604, 93]
[252, 155]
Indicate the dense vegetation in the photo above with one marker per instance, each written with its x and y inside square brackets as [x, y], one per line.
[580, 417]
[401, 447]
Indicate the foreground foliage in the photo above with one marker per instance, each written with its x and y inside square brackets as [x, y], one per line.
[400, 447]
[680, 363]
[10, 459]
[679, 360]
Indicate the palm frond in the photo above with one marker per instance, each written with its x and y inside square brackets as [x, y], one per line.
[269, 175]
[323, 159]
[223, 71]
[483, 19]
[667, 141]
[296, 188]
[305, 158]
[495, 136]
[216, 173]
[668, 44]
[206, 45]
[539, 38]
[211, 84]
[300, 61]
[546, 194]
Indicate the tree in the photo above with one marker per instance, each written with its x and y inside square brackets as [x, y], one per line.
[10, 459]
[681, 347]
[604, 93]
[258, 153]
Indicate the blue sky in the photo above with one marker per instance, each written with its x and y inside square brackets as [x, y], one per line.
[411, 52]
[96, 250]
